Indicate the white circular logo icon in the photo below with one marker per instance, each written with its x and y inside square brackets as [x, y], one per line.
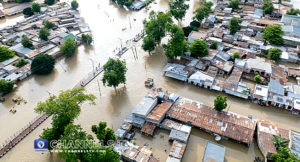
[41, 144]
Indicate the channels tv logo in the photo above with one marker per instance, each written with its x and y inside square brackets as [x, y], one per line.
[41, 145]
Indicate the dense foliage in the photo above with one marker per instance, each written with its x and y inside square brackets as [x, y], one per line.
[23, 1]
[148, 44]
[42, 64]
[176, 45]
[44, 34]
[257, 78]
[234, 25]
[220, 103]
[6, 53]
[86, 38]
[21, 62]
[178, 9]
[234, 4]
[198, 48]
[236, 55]
[6, 86]
[214, 45]
[274, 54]
[293, 12]
[284, 155]
[36, 7]
[49, 2]
[123, 2]
[28, 11]
[273, 34]
[68, 48]
[48, 24]
[114, 73]
[268, 7]
[104, 134]
[26, 42]
[203, 11]
[74, 4]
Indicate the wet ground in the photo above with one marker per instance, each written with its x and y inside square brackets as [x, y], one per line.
[107, 21]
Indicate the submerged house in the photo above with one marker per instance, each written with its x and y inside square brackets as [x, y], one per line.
[144, 107]
[214, 152]
[177, 71]
[200, 79]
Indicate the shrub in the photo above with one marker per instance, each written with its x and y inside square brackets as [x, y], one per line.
[214, 45]
[236, 55]
[6, 53]
[21, 62]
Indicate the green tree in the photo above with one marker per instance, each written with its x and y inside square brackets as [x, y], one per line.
[49, 2]
[187, 30]
[195, 24]
[178, 9]
[203, 11]
[198, 48]
[293, 12]
[103, 134]
[68, 48]
[74, 4]
[234, 4]
[114, 73]
[86, 38]
[21, 62]
[157, 25]
[284, 155]
[279, 142]
[6, 53]
[214, 45]
[176, 44]
[148, 44]
[274, 54]
[6, 86]
[28, 11]
[257, 78]
[23, 1]
[44, 34]
[268, 7]
[236, 55]
[36, 7]
[26, 42]
[234, 25]
[42, 64]
[64, 108]
[220, 103]
[48, 24]
[273, 34]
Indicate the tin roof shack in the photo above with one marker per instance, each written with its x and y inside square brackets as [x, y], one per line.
[148, 128]
[200, 79]
[258, 65]
[16, 9]
[265, 132]
[226, 124]
[292, 31]
[294, 144]
[225, 66]
[136, 153]
[196, 35]
[177, 71]
[135, 121]
[290, 19]
[179, 135]
[213, 152]
[171, 124]
[291, 41]
[279, 74]
[9, 61]
[120, 133]
[159, 112]
[177, 150]
[144, 107]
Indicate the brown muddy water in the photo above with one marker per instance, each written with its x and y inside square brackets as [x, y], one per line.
[107, 21]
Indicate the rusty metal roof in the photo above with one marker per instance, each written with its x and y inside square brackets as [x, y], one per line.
[159, 111]
[177, 149]
[227, 124]
[148, 128]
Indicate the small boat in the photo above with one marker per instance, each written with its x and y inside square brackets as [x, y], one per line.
[149, 82]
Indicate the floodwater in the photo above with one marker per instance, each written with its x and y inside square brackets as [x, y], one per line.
[106, 22]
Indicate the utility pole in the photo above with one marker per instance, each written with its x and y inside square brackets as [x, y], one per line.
[99, 87]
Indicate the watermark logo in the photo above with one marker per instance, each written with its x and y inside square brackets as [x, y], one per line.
[41, 145]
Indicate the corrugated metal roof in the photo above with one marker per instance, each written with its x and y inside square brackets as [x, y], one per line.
[213, 152]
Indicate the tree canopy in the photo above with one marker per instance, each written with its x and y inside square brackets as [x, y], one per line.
[21, 62]
[26, 42]
[68, 48]
[234, 4]
[220, 103]
[86, 38]
[148, 44]
[268, 7]
[198, 48]
[28, 11]
[178, 9]
[6, 53]
[203, 11]
[236, 55]
[114, 72]
[123, 2]
[257, 78]
[48, 24]
[273, 34]
[293, 11]
[176, 45]
[23, 1]
[284, 155]
[274, 54]
[64, 108]
[44, 34]
[157, 25]
[74, 4]
[6, 86]
[214, 45]
[36, 7]
[42, 64]
[104, 134]
[234, 25]
[279, 142]
[49, 2]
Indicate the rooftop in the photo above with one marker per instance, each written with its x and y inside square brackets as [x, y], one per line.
[143, 108]
[213, 152]
[159, 111]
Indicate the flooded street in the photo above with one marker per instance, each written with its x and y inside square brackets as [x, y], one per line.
[106, 22]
